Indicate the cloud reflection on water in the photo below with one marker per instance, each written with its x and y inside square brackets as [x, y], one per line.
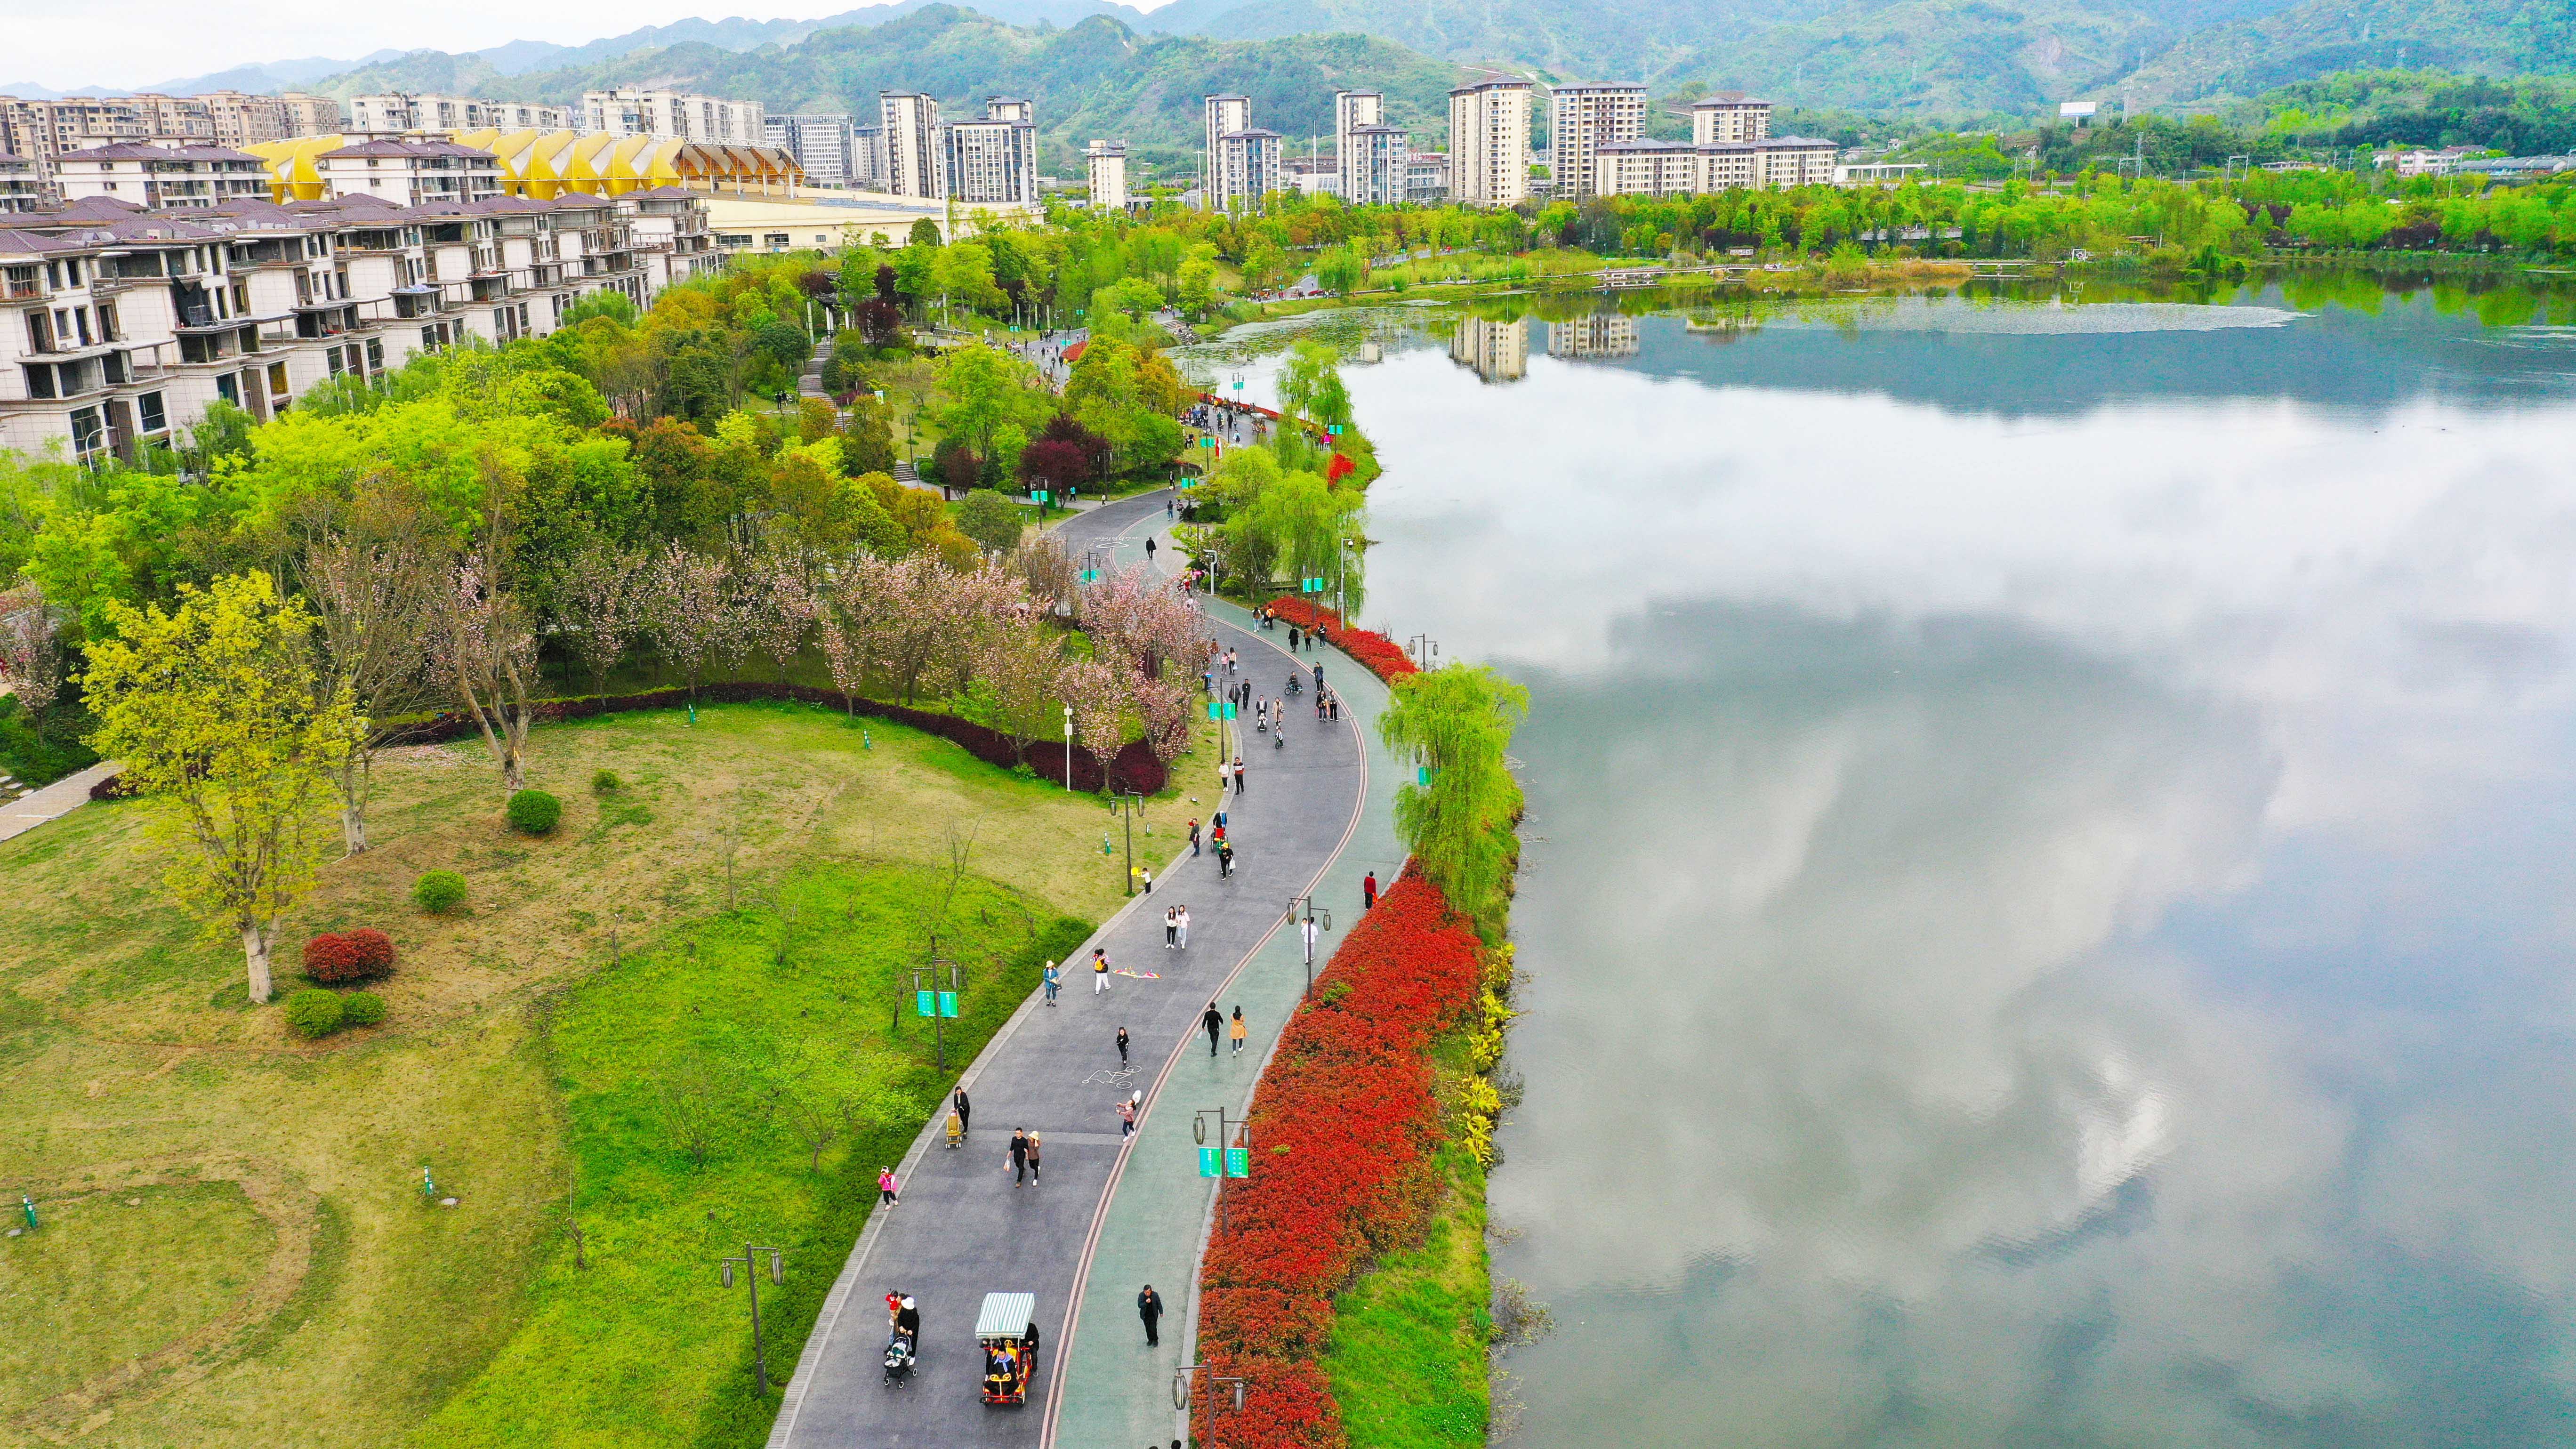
[1873, 1098]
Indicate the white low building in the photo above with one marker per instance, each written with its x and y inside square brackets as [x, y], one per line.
[120, 325]
[412, 171]
[161, 177]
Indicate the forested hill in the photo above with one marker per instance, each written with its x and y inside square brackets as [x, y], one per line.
[1920, 58]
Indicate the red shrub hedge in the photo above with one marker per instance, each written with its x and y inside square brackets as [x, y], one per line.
[1384, 657]
[1342, 1130]
[360, 955]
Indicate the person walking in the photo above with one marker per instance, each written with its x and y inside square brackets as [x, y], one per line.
[1184, 928]
[1122, 1046]
[1149, 548]
[887, 1195]
[1149, 1307]
[1238, 1031]
[1053, 979]
[1126, 1118]
[1171, 927]
[1147, 872]
[1037, 1169]
[1238, 774]
[1100, 970]
[965, 1109]
[1214, 1021]
[1225, 861]
[1194, 835]
[1223, 777]
[1018, 1156]
[1293, 637]
[1368, 892]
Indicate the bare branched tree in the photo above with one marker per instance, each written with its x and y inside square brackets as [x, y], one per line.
[488, 653]
[375, 584]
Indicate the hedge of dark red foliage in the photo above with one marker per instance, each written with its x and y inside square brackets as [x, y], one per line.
[1343, 1127]
[360, 955]
[1384, 657]
[1132, 768]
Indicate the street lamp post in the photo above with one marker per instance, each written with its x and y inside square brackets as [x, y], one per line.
[751, 1274]
[1128, 805]
[1309, 930]
[1068, 748]
[1424, 649]
[1181, 1386]
[1231, 1157]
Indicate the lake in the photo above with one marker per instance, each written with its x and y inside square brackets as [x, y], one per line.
[2049, 911]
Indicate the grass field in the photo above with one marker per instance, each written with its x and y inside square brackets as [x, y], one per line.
[236, 1249]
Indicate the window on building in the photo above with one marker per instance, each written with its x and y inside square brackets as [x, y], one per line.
[40, 379]
[277, 383]
[88, 435]
[333, 358]
[375, 354]
[155, 418]
[228, 387]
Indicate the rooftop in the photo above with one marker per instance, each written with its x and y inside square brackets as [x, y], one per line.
[140, 151]
[1728, 98]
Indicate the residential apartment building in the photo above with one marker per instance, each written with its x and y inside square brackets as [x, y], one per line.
[1730, 118]
[1105, 166]
[161, 177]
[410, 172]
[1224, 116]
[826, 147]
[1375, 164]
[1497, 351]
[1426, 178]
[21, 189]
[397, 113]
[1351, 111]
[1489, 143]
[1580, 120]
[1668, 168]
[119, 326]
[994, 160]
[910, 121]
[674, 116]
[1248, 168]
[1597, 335]
[242, 119]
[42, 130]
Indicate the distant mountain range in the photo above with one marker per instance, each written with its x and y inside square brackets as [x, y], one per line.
[1919, 57]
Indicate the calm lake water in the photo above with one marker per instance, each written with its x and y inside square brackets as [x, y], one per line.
[2050, 909]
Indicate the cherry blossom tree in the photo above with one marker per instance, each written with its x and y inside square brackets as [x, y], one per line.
[774, 610]
[1165, 709]
[31, 663]
[1098, 691]
[487, 648]
[604, 595]
[690, 608]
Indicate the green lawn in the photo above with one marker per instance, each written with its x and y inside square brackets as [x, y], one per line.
[345, 1311]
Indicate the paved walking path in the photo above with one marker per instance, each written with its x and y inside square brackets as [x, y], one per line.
[58, 799]
[1115, 1390]
[962, 1230]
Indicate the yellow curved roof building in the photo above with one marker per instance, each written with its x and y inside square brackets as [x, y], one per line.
[547, 164]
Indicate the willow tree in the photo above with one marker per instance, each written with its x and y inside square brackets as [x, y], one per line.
[217, 711]
[1456, 723]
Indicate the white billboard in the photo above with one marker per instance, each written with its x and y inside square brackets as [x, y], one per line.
[2077, 110]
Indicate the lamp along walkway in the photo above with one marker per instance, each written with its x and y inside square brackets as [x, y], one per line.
[1108, 1207]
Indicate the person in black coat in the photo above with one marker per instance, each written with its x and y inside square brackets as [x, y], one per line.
[1149, 1307]
[1214, 1021]
[965, 1110]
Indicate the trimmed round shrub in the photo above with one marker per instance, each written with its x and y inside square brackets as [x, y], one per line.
[375, 952]
[534, 812]
[314, 1011]
[606, 781]
[331, 958]
[439, 892]
[361, 955]
[361, 1008]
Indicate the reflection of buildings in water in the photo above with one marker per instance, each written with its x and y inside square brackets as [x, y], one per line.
[1498, 351]
[1597, 335]
[1722, 330]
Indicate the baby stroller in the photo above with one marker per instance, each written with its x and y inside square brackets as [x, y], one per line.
[898, 1358]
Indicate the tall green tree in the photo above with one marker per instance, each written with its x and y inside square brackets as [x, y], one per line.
[214, 710]
[1457, 723]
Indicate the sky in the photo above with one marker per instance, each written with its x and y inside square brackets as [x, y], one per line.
[68, 44]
